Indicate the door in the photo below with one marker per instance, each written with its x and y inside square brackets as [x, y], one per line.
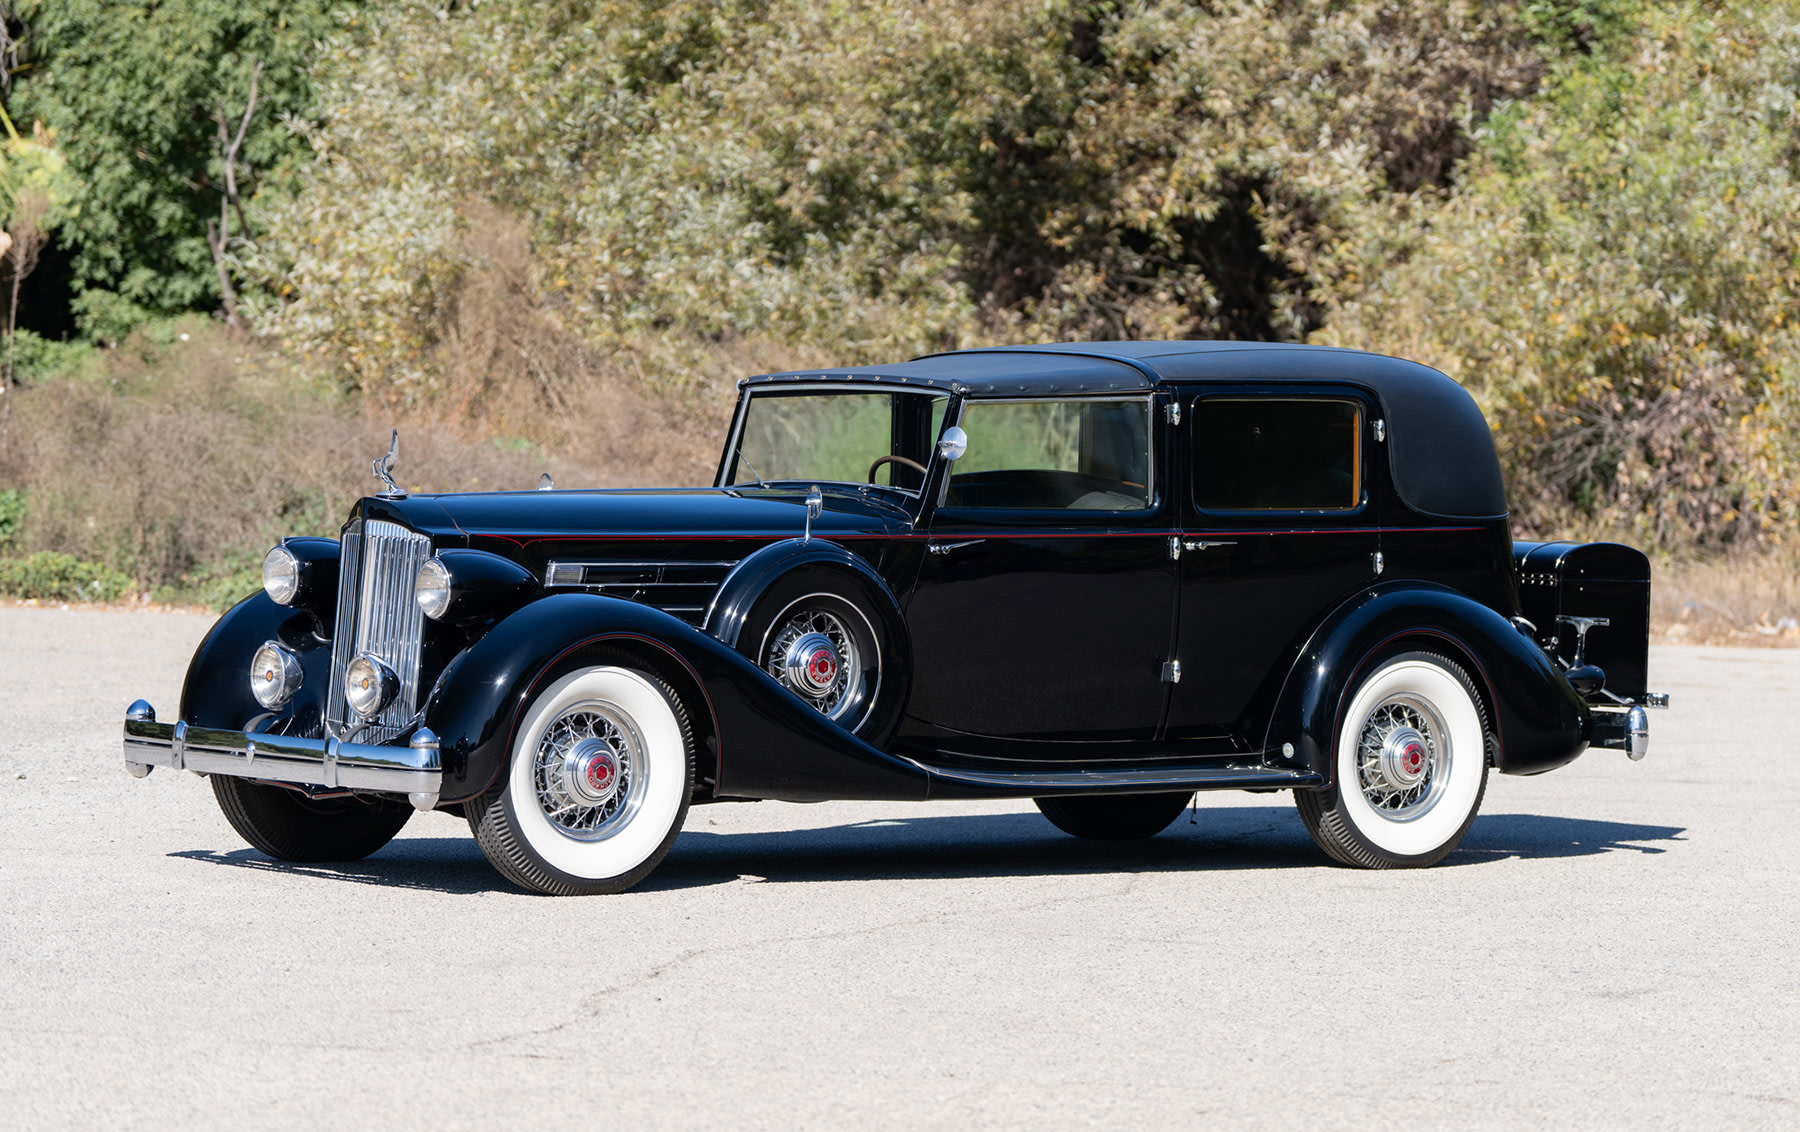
[1044, 607]
[1280, 529]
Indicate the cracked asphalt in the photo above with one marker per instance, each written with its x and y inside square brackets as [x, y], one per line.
[1614, 946]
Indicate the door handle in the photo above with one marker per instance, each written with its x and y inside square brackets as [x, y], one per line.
[947, 547]
[1205, 544]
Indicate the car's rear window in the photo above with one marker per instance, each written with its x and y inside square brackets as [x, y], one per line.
[1062, 455]
[1277, 454]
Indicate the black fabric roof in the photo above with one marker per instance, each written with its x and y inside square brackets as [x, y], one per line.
[1441, 451]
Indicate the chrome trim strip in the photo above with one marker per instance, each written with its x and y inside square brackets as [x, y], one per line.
[415, 769]
[1200, 778]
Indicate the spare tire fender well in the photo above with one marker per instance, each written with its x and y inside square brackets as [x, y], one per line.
[748, 580]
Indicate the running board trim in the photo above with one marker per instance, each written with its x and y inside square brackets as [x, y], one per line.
[945, 781]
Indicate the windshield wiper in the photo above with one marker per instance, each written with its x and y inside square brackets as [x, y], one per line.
[744, 460]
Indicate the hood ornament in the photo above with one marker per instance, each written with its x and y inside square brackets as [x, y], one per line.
[384, 469]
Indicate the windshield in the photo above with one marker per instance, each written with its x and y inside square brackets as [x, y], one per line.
[846, 436]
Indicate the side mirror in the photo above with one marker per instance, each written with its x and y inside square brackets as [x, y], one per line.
[953, 444]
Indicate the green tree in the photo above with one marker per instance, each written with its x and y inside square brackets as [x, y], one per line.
[133, 89]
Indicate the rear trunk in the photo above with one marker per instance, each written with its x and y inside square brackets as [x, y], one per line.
[1561, 581]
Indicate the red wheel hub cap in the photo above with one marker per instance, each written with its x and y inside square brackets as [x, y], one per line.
[821, 667]
[600, 772]
[1412, 757]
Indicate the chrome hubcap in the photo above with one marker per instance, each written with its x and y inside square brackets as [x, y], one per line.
[813, 654]
[590, 771]
[811, 664]
[1403, 757]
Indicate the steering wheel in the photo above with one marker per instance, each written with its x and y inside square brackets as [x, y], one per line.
[880, 460]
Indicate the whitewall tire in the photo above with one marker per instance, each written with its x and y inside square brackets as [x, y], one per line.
[1409, 766]
[601, 771]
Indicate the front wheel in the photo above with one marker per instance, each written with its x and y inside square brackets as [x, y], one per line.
[601, 773]
[289, 826]
[1410, 767]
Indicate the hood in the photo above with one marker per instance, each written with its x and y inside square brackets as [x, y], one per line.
[526, 517]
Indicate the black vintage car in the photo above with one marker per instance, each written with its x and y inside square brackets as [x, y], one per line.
[1103, 576]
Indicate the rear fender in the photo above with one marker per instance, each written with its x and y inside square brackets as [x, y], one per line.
[756, 739]
[1538, 720]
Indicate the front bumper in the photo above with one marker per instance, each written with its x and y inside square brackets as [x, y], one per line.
[414, 770]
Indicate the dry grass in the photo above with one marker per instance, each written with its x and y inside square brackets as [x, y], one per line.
[182, 464]
[1750, 599]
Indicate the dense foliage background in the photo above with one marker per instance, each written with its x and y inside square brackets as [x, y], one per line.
[524, 223]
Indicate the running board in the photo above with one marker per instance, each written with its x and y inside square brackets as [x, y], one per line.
[960, 782]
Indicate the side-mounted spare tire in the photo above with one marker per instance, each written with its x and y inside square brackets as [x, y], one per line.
[832, 638]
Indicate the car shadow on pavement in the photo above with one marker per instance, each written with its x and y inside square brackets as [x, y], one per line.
[961, 846]
[437, 864]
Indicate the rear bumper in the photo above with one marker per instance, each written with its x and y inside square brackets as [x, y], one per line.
[414, 770]
[1625, 727]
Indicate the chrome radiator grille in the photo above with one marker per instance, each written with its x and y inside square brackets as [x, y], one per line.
[376, 613]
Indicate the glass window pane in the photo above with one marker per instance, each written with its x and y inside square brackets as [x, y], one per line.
[826, 435]
[1277, 455]
[1068, 455]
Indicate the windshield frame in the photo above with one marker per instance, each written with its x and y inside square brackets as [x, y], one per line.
[730, 459]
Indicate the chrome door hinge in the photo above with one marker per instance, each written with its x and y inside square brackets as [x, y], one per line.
[1378, 562]
[1171, 672]
[1174, 546]
[1380, 431]
[1172, 412]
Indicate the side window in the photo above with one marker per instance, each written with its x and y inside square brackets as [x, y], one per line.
[1277, 454]
[1054, 455]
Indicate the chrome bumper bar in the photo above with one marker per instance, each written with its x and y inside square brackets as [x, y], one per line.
[414, 770]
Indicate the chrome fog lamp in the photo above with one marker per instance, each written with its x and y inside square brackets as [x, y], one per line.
[431, 588]
[369, 685]
[281, 575]
[274, 675]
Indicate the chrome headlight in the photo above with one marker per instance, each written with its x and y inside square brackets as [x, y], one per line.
[274, 675]
[281, 575]
[431, 588]
[369, 685]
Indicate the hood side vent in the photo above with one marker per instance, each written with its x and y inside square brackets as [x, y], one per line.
[682, 589]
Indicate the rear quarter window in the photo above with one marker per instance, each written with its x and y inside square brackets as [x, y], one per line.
[1277, 454]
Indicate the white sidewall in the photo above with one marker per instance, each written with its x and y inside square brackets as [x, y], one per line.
[665, 770]
[1468, 757]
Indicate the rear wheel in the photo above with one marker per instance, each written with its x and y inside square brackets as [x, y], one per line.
[1410, 767]
[289, 826]
[1114, 817]
[602, 770]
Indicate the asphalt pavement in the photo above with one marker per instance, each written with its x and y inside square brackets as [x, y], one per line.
[1614, 946]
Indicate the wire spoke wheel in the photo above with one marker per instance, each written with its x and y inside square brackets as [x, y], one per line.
[1402, 758]
[813, 654]
[601, 773]
[1409, 770]
[590, 772]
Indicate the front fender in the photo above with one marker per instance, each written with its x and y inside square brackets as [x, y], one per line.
[1540, 721]
[216, 692]
[769, 743]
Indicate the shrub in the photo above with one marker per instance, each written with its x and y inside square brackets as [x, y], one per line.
[50, 576]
